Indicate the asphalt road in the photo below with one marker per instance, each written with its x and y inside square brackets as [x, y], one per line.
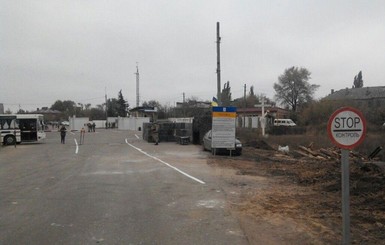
[113, 189]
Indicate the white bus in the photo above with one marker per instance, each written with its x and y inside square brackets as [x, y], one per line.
[31, 127]
[22, 128]
[9, 130]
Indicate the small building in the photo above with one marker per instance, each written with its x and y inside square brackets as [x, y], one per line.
[193, 104]
[372, 96]
[49, 115]
[150, 112]
[192, 108]
[251, 117]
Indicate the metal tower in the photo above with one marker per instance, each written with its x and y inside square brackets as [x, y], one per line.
[137, 85]
[219, 67]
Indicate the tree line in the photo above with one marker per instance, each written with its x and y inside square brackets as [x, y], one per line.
[292, 91]
[115, 107]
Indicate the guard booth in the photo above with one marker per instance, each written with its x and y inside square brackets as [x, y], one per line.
[169, 132]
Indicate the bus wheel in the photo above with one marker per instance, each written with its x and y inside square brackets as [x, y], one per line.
[10, 140]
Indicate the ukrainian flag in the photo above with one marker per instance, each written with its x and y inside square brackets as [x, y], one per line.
[214, 102]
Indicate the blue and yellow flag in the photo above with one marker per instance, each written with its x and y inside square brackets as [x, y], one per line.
[214, 102]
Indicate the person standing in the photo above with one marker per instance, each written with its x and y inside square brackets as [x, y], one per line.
[155, 132]
[63, 132]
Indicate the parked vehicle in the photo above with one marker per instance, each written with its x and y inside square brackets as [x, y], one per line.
[21, 128]
[206, 144]
[65, 123]
[284, 122]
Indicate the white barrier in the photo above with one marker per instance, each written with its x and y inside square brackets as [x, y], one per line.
[132, 123]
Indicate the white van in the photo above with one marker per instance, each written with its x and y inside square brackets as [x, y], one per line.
[284, 122]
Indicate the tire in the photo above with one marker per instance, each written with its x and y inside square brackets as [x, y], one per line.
[9, 140]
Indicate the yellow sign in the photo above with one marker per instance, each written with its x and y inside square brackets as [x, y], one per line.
[225, 114]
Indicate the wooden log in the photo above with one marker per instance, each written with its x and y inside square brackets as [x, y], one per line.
[317, 155]
[330, 152]
[327, 152]
[308, 150]
[304, 154]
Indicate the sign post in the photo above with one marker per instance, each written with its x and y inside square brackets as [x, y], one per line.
[346, 129]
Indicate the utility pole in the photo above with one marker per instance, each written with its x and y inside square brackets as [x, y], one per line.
[263, 116]
[218, 67]
[244, 94]
[137, 85]
[184, 113]
[105, 93]
[244, 97]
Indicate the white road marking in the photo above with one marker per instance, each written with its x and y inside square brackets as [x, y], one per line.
[77, 147]
[72, 133]
[167, 164]
[136, 136]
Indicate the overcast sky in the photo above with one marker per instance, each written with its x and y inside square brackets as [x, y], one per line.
[79, 49]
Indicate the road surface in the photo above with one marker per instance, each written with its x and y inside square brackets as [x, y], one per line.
[113, 189]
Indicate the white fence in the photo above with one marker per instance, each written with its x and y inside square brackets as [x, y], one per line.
[77, 123]
[132, 123]
[124, 123]
[248, 122]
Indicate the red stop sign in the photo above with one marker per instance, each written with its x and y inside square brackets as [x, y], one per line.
[347, 128]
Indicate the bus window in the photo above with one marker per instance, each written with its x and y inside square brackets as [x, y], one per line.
[9, 132]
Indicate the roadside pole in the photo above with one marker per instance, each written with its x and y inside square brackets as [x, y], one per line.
[346, 129]
[14, 132]
[345, 196]
[263, 119]
[82, 133]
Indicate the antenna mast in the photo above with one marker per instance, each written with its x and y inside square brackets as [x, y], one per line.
[137, 85]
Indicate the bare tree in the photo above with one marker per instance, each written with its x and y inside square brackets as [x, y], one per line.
[293, 88]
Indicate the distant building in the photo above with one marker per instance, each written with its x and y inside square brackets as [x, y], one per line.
[49, 115]
[251, 117]
[372, 95]
[272, 111]
[141, 111]
[1, 108]
[193, 104]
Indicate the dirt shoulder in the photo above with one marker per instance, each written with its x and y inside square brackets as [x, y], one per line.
[285, 199]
